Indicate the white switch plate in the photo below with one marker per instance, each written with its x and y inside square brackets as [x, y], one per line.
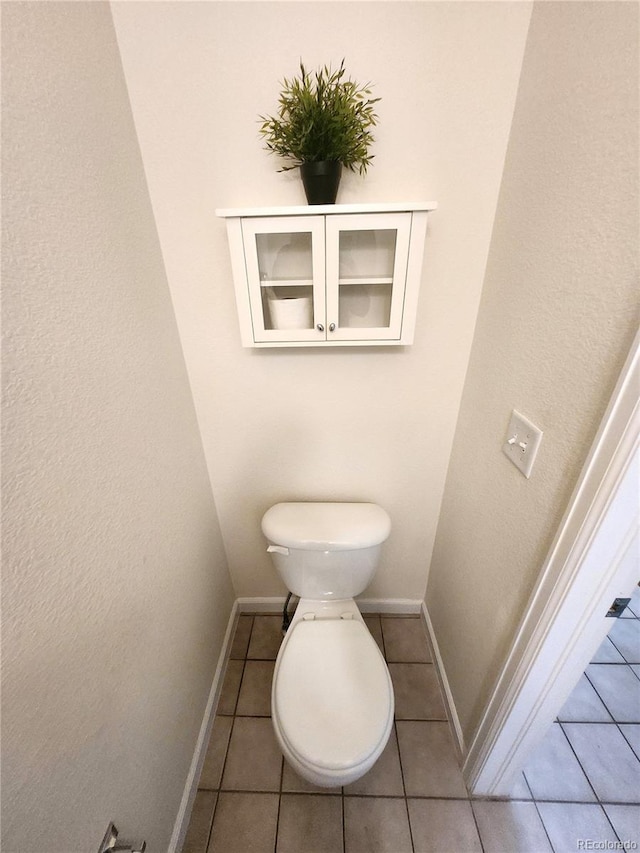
[522, 442]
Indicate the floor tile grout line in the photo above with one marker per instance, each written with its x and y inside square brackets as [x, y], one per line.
[475, 820]
[601, 698]
[582, 802]
[580, 763]
[631, 747]
[596, 722]
[213, 817]
[404, 787]
[626, 741]
[595, 689]
[470, 798]
[344, 820]
[539, 813]
[610, 823]
[620, 652]
[603, 723]
[275, 840]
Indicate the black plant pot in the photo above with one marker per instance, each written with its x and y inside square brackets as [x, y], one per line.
[321, 180]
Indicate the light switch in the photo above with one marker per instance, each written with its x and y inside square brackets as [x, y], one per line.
[522, 442]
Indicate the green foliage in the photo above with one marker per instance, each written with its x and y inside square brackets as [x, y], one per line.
[322, 116]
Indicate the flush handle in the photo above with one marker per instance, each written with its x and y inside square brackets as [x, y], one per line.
[278, 549]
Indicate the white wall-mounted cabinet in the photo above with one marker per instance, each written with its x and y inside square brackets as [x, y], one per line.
[327, 275]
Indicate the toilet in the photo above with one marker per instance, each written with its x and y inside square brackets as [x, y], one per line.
[331, 699]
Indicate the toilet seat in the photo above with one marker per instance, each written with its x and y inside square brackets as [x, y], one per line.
[332, 698]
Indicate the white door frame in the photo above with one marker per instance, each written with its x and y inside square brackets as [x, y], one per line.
[593, 559]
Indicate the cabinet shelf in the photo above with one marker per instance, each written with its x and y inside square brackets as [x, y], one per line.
[286, 282]
[365, 279]
[308, 282]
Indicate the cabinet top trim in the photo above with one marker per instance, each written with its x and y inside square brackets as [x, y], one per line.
[326, 209]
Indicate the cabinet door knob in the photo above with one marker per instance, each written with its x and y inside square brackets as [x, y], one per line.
[332, 327]
[320, 327]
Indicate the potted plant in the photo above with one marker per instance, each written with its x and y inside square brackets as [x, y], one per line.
[323, 123]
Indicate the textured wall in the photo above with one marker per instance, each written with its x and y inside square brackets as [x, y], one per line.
[115, 588]
[338, 424]
[557, 316]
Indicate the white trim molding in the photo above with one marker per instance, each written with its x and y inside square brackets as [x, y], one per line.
[397, 606]
[591, 561]
[261, 604]
[452, 713]
[391, 606]
[191, 786]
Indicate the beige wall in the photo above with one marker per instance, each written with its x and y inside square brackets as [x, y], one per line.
[558, 314]
[350, 424]
[115, 589]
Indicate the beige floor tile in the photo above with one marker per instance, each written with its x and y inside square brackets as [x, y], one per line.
[510, 826]
[385, 777]
[197, 836]
[569, 824]
[405, 640]
[254, 760]
[607, 653]
[625, 635]
[631, 733]
[584, 705]
[244, 823]
[216, 753]
[230, 687]
[417, 692]
[626, 822]
[553, 771]
[444, 825]
[373, 624]
[240, 642]
[520, 789]
[292, 783]
[429, 761]
[619, 689]
[266, 638]
[607, 759]
[255, 692]
[311, 823]
[376, 825]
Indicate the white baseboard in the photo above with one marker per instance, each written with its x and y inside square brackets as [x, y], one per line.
[191, 785]
[399, 606]
[261, 605]
[452, 714]
[366, 605]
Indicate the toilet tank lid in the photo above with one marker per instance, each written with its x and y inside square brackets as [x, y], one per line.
[326, 526]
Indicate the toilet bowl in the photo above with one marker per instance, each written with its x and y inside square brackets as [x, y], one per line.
[332, 699]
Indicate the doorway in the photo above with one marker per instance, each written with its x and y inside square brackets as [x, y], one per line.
[593, 560]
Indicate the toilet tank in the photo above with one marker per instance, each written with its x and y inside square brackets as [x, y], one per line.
[326, 550]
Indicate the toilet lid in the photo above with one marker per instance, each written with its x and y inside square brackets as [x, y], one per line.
[332, 693]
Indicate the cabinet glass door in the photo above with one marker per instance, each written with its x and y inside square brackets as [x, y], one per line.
[285, 274]
[366, 272]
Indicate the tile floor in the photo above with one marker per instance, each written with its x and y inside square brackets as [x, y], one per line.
[589, 761]
[414, 799]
